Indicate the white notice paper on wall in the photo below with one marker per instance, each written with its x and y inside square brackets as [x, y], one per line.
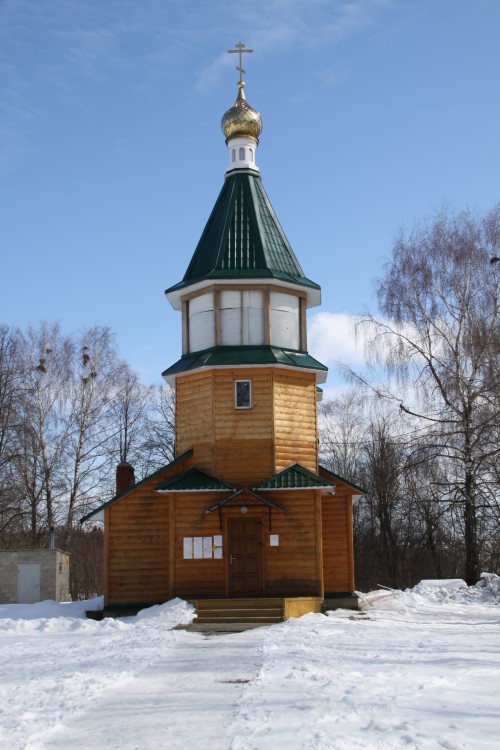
[207, 547]
[188, 548]
[198, 547]
[218, 547]
[274, 540]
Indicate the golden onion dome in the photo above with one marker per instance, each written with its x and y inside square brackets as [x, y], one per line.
[241, 121]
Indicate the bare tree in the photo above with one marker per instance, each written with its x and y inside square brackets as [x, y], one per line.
[66, 422]
[342, 427]
[439, 342]
[130, 415]
[158, 438]
[93, 390]
[44, 355]
[11, 511]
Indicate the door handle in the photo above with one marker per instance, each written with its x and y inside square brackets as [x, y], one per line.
[231, 558]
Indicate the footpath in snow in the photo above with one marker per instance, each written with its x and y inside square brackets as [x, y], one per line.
[416, 669]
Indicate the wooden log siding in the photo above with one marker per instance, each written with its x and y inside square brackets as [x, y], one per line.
[292, 568]
[243, 437]
[146, 546]
[194, 418]
[337, 556]
[136, 542]
[138, 549]
[244, 447]
[295, 424]
[196, 577]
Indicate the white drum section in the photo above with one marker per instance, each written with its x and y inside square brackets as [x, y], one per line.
[285, 320]
[201, 322]
[241, 318]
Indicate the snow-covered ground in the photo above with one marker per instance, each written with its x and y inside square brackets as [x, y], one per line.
[413, 669]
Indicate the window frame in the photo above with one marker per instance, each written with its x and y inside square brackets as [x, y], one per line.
[236, 406]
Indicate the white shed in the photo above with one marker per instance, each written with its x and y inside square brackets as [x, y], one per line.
[33, 575]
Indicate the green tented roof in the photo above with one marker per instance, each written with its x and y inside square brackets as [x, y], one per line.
[114, 499]
[247, 355]
[194, 480]
[295, 477]
[243, 238]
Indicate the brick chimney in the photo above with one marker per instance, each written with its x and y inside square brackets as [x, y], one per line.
[124, 477]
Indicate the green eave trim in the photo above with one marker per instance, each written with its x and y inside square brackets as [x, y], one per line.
[194, 480]
[295, 477]
[220, 356]
[244, 274]
[341, 479]
[137, 484]
[243, 238]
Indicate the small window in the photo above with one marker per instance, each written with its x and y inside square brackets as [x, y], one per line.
[233, 154]
[243, 394]
[242, 154]
[251, 153]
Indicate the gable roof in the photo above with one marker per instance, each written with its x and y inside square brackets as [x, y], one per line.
[295, 477]
[194, 480]
[332, 474]
[114, 499]
[243, 501]
[243, 238]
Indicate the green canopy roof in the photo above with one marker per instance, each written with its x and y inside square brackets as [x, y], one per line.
[194, 480]
[244, 355]
[295, 477]
[243, 238]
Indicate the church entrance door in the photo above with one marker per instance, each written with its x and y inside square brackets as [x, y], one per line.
[245, 557]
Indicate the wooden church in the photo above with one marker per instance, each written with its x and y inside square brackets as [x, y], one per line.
[244, 522]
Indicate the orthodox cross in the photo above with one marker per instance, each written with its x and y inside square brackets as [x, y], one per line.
[240, 50]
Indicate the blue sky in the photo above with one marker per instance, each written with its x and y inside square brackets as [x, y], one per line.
[376, 113]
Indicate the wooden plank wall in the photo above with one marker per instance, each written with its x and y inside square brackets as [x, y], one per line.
[292, 568]
[138, 549]
[136, 543]
[337, 563]
[191, 578]
[295, 424]
[194, 417]
[243, 437]
[246, 446]
[235, 445]
[147, 530]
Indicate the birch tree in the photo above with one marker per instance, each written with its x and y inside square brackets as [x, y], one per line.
[438, 341]
[11, 511]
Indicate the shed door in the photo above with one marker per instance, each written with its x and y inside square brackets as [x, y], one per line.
[28, 583]
[245, 557]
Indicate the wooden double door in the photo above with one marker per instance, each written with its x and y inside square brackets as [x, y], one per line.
[245, 557]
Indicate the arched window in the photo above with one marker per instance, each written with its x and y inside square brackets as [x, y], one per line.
[233, 154]
[242, 154]
[250, 150]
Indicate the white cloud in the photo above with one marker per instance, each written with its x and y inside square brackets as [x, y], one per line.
[332, 338]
